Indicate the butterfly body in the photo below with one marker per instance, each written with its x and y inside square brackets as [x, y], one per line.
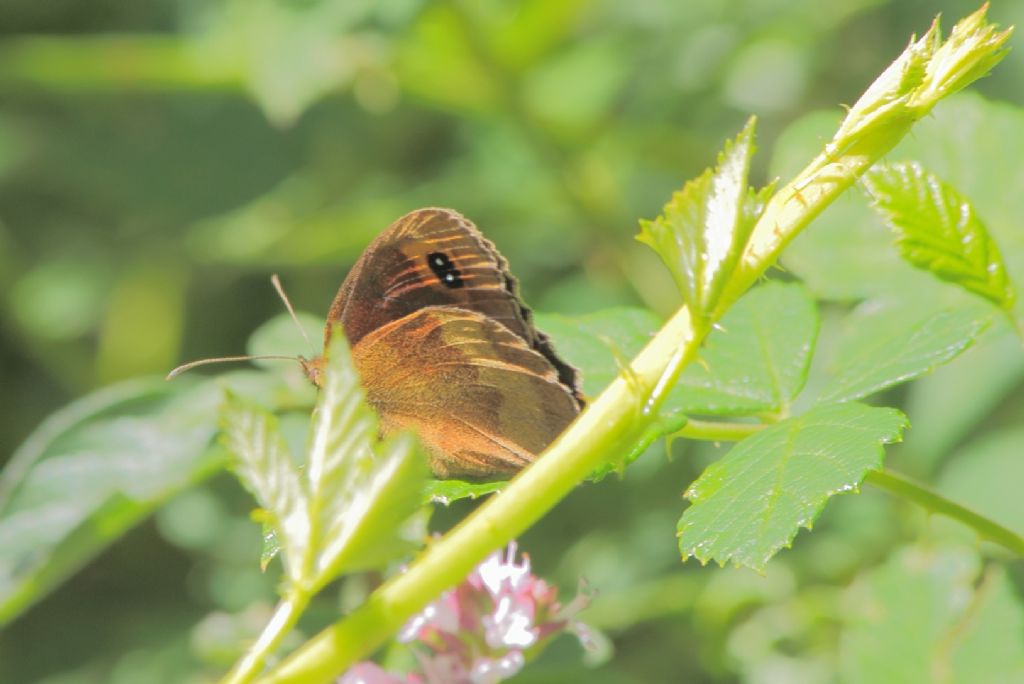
[445, 347]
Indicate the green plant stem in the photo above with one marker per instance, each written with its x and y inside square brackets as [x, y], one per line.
[285, 616]
[610, 426]
[987, 529]
[714, 431]
[793, 207]
[620, 416]
[927, 71]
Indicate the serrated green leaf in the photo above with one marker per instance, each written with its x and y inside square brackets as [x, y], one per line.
[270, 546]
[973, 143]
[704, 228]
[392, 520]
[448, 491]
[885, 345]
[263, 464]
[938, 230]
[354, 505]
[753, 501]
[362, 493]
[91, 472]
[756, 360]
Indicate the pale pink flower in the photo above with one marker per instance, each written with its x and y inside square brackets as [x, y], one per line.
[479, 632]
[371, 673]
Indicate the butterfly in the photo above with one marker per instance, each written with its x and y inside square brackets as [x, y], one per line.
[445, 347]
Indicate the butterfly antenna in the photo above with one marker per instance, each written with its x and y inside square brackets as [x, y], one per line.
[227, 359]
[288, 305]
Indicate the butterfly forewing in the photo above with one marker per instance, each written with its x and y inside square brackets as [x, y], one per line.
[436, 257]
[430, 257]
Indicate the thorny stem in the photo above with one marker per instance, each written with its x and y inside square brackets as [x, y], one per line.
[609, 426]
[620, 416]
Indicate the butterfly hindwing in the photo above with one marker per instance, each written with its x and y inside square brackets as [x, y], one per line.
[482, 400]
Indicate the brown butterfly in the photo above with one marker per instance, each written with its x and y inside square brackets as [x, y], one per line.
[446, 348]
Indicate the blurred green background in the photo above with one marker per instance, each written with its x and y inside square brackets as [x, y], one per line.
[159, 160]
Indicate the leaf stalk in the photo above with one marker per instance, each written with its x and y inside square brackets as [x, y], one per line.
[619, 416]
[930, 500]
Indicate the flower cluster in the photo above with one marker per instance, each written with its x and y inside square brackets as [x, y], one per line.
[479, 632]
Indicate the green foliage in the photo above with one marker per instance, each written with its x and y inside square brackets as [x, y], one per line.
[753, 501]
[81, 480]
[754, 362]
[843, 255]
[356, 491]
[279, 336]
[271, 546]
[288, 55]
[989, 651]
[966, 629]
[757, 358]
[448, 491]
[705, 227]
[943, 417]
[938, 230]
[265, 467]
[601, 343]
[985, 474]
[929, 69]
[353, 505]
[887, 345]
[969, 142]
[552, 125]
